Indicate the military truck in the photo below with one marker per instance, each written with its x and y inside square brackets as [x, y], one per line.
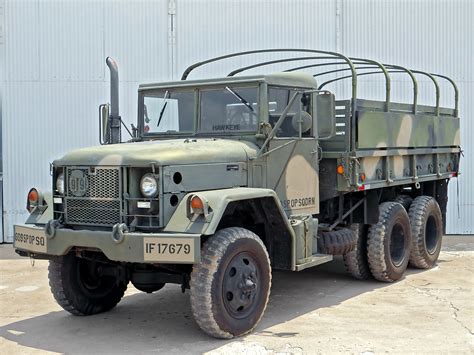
[225, 179]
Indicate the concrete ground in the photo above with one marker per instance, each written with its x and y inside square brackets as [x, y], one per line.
[320, 310]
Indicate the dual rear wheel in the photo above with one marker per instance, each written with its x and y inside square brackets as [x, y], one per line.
[389, 243]
[427, 232]
[408, 231]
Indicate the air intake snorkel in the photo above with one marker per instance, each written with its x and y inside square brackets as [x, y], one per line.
[114, 118]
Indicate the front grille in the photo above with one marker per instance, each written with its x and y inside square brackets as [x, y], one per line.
[103, 183]
[98, 202]
[82, 211]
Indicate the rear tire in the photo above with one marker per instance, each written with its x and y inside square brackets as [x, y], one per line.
[78, 288]
[405, 201]
[230, 287]
[427, 231]
[389, 243]
[356, 261]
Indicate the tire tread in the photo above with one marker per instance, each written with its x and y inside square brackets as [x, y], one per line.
[356, 261]
[417, 215]
[337, 242]
[404, 200]
[58, 283]
[375, 243]
[203, 274]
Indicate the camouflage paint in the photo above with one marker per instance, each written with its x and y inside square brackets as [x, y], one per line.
[292, 172]
[160, 153]
[399, 130]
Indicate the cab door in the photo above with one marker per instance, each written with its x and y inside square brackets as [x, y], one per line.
[292, 156]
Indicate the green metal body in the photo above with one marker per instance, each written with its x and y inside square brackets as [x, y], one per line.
[379, 145]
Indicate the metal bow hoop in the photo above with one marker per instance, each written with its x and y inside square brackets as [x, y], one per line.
[354, 66]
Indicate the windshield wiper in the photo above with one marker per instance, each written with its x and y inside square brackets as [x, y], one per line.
[241, 99]
[145, 113]
[163, 109]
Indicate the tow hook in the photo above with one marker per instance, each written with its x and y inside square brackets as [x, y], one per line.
[51, 227]
[118, 232]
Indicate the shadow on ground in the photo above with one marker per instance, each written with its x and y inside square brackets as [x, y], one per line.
[163, 321]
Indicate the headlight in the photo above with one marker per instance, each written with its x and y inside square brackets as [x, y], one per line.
[148, 185]
[60, 183]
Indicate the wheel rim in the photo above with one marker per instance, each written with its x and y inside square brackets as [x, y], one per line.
[90, 281]
[397, 245]
[431, 235]
[241, 286]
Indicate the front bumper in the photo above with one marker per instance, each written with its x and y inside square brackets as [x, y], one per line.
[163, 248]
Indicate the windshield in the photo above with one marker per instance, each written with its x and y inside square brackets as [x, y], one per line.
[229, 109]
[168, 112]
[222, 110]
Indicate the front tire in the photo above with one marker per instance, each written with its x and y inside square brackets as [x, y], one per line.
[427, 230]
[389, 243]
[230, 287]
[79, 289]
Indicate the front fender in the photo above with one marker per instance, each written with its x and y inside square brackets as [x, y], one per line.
[217, 200]
[44, 213]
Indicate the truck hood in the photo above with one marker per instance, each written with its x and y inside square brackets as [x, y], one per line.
[164, 152]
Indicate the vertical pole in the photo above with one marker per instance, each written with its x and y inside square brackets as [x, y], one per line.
[339, 26]
[172, 37]
[340, 87]
[2, 86]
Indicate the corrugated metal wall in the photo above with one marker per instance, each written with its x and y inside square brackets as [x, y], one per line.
[2, 80]
[56, 75]
[435, 36]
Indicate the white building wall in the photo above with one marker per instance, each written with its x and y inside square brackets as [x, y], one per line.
[55, 73]
[435, 36]
[56, 77]
[2, 90]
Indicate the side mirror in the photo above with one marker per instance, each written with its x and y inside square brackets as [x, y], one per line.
[104, 124]
[326, 114]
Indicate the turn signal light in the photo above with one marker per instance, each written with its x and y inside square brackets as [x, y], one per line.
[340, 169]
[34, 199]
[196, 203]
[33, 196]
[362, 177]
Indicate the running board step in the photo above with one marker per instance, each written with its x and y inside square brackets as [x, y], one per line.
[314, 260]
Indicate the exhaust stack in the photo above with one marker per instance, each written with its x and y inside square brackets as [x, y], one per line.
[114, 118]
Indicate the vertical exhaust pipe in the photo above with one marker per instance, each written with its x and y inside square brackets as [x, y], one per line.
[114, 118]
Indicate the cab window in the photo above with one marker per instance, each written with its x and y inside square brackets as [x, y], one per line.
[278, 99]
